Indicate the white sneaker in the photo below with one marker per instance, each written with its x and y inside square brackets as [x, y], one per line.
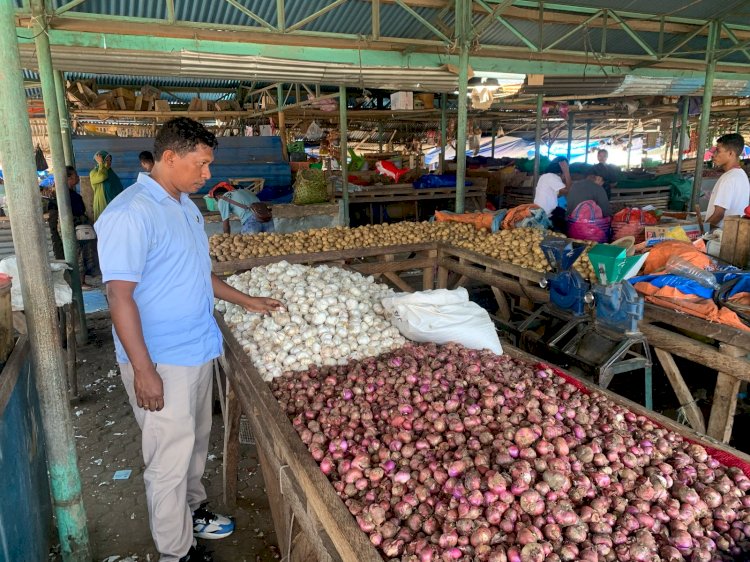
[209, 525]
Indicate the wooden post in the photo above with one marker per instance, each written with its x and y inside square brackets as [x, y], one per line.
[721, 421]
[282, 119]
[684, 129]
[684, 396]
[6, 322]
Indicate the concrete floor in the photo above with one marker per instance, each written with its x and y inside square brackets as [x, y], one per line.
[108, 440]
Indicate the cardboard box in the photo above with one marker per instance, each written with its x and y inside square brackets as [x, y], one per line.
[692, 230]
[427, 101]
[402, 100]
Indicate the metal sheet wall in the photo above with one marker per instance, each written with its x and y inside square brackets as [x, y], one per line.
[25, 507]
[235, 157]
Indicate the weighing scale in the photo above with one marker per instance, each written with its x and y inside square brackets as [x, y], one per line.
[566, 312]
[602, 337]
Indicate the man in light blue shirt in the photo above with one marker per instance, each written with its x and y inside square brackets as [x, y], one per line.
[154, 258]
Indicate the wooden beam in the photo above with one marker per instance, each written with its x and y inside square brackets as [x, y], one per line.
[700, 353]
[684, 396]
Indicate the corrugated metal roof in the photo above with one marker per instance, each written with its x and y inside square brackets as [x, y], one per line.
[213, 66]
[219, 11]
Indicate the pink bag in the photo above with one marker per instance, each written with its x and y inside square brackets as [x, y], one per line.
[586, 210]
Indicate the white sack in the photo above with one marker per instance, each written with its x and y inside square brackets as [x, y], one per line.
[63, 292]
[443, 316]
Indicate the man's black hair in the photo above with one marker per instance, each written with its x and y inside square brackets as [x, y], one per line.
[554, 166]
[146, 156]
[70, 170]
[604, 150]
[733, 142]
[220, 191]
[182, 135]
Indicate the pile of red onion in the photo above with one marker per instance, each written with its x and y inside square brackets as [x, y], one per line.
[443, 453]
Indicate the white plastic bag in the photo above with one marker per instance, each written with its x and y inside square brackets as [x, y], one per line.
[443, 316]
[63, 292]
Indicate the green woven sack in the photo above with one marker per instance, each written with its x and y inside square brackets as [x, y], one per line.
[310, 187]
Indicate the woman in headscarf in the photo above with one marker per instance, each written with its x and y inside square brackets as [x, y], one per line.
[104, 182]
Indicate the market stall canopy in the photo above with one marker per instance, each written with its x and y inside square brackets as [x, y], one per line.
[594, 37]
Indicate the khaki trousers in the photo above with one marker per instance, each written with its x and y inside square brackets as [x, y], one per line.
[174, 442]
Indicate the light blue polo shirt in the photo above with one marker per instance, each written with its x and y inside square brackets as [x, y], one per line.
[147, 237]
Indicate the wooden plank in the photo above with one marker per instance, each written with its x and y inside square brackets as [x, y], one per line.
[11, 370]
[535, 294]
[372, 268]
[70, 349]
[279, 509]
[735, 242]
[721, 420]
[684, 396]
[398, 282]
[349, 541]
[502, 303]
[487, 262]
[664, 421]
[232, 415]
[428, 273]
[700, 353]
[220, 267]
[719, 332]
[290, 211]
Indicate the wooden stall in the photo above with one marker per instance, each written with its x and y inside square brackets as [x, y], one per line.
[311, 521]
[442, 265]
[476, 196]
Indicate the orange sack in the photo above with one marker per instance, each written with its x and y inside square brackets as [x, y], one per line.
[479, 220]
[660, 254]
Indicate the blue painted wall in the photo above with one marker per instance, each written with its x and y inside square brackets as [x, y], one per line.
[25, 508]
[236, 157]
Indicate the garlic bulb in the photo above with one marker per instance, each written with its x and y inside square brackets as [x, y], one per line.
[333, 315]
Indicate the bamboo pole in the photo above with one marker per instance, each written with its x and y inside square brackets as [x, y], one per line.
[684, 128]
[443, 129]
[343, 162]
[462, 32]
[538, 137]
[62, 107]
[23, 197]
[708, 89]
[54, 133]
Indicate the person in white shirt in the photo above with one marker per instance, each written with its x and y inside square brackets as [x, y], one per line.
[732, 192]
[555, 182]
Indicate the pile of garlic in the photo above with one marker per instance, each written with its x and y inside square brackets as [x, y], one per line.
[332, 316]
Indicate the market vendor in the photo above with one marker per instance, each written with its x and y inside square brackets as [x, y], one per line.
[240, 203]
[731, 193]
[104, 181]
[86, 258]
[552, 184]
[609, 172]
[588, 186]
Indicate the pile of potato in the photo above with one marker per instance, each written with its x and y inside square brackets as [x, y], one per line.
[519, 246]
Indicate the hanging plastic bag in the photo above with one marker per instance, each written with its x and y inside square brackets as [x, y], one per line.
[314, 132]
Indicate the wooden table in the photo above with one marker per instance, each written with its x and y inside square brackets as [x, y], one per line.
[476, 196]
[664, 328]
[311, 521]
